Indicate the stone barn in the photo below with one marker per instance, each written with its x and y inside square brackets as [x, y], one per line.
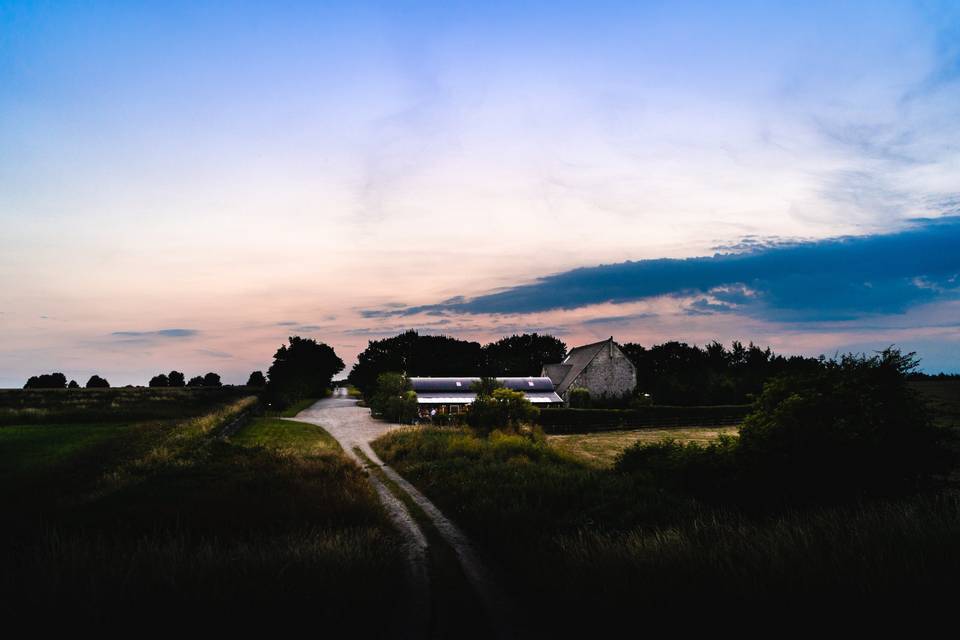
[602, 368]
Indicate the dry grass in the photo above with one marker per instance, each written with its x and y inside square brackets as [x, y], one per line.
[602, 448]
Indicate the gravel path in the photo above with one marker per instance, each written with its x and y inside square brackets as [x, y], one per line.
[353, 427]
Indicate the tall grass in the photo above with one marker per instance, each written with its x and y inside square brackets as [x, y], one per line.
[608, 548]
[189, 526]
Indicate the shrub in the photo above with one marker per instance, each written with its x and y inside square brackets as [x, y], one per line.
[503, 408]
[850, 429]
[256, 379]
[394, 399]
[579, 398]
[176, 379]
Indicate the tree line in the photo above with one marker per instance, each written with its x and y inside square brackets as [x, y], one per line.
[302, 368]
[673, 373]
[428, 355]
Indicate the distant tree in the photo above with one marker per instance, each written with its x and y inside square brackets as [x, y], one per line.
[681, 374]
[160, 381]
[522, 355]
[176, 379]
[212, 380]
[47, 381]
[195, 381]
[256, 379]
[96, 382]
[73, 385]
[302, 369]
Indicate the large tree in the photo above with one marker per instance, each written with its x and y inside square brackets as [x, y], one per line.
[522, 355]
[176, 379]
[302, 369]
[415, 355]
[418, 355]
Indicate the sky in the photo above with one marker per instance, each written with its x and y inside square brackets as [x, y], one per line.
[184, 185]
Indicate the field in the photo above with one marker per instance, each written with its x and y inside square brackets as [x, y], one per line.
[608, 549]
[943, 398]
[603, 447]
[45, 406]
[166, 520]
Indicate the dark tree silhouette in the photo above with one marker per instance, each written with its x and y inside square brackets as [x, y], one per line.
[256, 379]
[176, 379]
[522, 355]
[417, 355]
[195, 381]
[212, 380]
[676, 373]
[47, 381]
[160, 381]
[73, 385]
[96, 382]
[302, 369]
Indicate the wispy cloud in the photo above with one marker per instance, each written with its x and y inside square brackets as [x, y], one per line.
[159, 333]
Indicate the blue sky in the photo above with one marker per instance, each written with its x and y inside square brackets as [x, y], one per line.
[183, 184]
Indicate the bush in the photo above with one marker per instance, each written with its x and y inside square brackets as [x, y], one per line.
[394, 399]
[847, 431]
[579, 398]
[500, 409]
[850, 429]
[256, 379]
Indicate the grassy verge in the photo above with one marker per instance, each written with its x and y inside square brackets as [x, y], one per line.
[608, 549]
[187, 527]
[602, 448]
[286, 435]
[292, 410]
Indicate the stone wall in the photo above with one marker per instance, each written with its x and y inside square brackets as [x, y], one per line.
[608, 373]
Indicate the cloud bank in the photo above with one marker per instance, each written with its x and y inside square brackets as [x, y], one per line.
[835, 279]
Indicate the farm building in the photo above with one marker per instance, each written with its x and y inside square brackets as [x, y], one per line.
[451, 395]
[602, 368]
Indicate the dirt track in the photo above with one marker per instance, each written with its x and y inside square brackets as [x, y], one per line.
[353, 426]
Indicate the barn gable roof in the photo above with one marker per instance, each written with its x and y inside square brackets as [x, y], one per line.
[574, 364]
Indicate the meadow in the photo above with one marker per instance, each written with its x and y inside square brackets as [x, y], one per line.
[574, 533]
[168, 520]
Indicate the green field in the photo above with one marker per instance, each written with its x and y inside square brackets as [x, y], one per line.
[123, 522]
[121, 404]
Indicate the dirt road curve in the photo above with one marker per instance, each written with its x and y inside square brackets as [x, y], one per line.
[353, 427]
